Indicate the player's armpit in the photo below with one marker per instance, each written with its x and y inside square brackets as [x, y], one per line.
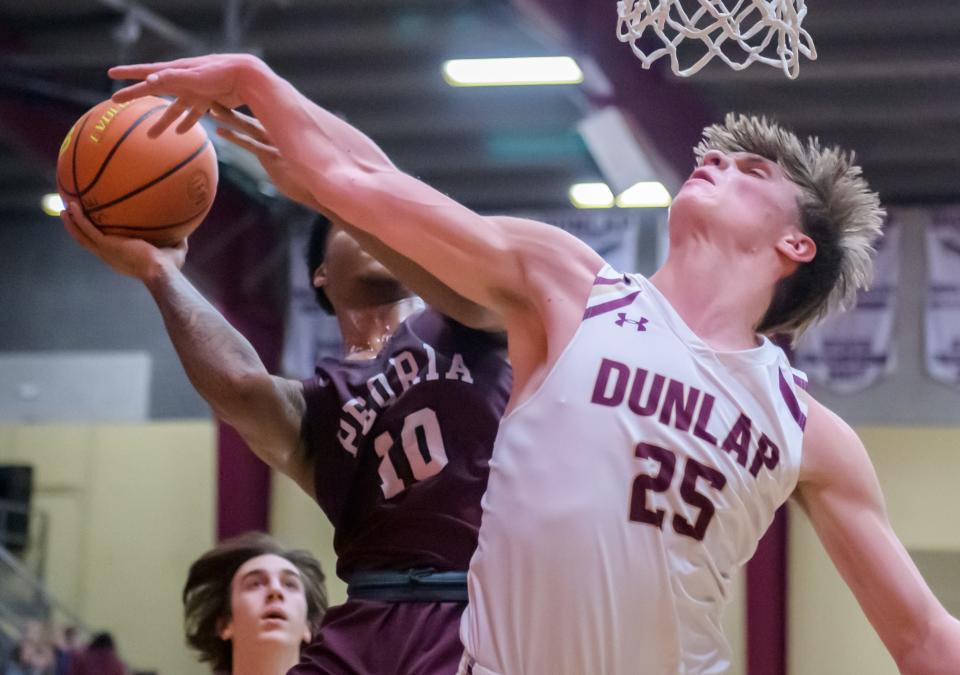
[840, 492]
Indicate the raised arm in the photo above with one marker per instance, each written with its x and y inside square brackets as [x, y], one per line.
[267, 411]
[535, 276]
[246, 132]
[433, 292]
[840, 493]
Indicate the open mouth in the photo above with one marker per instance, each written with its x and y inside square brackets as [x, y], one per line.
[274, 615]
[702, 174]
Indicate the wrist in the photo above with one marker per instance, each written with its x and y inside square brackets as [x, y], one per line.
[252, 76]
[158, 273]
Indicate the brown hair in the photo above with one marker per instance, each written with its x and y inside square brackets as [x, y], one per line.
[206, 595]
[838, 211]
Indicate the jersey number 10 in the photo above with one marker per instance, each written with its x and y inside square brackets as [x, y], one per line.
[688, 491]
[419, 454]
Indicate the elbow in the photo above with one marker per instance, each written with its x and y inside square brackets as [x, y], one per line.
[239, 397]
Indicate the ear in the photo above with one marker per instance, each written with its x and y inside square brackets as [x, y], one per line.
[797, 247]
[307, 635]
[320, 276]
[225, 629]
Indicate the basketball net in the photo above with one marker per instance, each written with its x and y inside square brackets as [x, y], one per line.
[767, 31]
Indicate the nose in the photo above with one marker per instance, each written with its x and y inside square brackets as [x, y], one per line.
[716, 158]
[275, 589]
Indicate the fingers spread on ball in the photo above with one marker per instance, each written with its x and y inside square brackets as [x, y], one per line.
[139, 71]
[132, 92]
[192, 117]
[247, 143]
[169, 116]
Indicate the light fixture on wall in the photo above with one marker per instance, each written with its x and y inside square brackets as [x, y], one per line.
[52, 204]
[645, 194]
[591, 196]
[649, 194]
[512, 72]
[626, 160]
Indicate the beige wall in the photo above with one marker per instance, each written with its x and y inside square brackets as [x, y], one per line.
[130, 507]
[297, 521]
[828, 634]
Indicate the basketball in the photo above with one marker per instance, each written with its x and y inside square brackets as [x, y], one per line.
[158, 189]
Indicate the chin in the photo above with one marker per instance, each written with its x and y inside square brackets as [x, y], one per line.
[278, 637]
[375, 272]
[689, 211]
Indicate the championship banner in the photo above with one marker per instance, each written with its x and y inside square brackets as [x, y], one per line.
[310, 333]
[943, 297]
[850, 351]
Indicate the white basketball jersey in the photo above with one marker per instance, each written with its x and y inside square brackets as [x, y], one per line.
[625, 494]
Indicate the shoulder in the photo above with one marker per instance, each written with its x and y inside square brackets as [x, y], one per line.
[547, 248]
[832, 450]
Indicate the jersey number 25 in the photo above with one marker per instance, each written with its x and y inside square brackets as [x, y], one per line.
[660, 482]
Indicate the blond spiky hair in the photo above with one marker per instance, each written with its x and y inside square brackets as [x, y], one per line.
[838, 211]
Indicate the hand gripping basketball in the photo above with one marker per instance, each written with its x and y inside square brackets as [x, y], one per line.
[129, 184]
[131, 257]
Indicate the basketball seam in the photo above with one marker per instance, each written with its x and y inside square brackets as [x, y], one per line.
[116, 146]
[156, 180]
[73, 157]
[151, 228]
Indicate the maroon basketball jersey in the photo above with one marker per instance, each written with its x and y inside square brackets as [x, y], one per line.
[401, 443]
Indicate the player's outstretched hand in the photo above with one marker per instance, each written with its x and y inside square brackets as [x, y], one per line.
[247, 133]
[131, 257]
[196, 82]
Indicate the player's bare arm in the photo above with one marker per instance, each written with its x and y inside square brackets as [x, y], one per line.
[839, 491]
[246, 132]
[222, 365]
[535, 276]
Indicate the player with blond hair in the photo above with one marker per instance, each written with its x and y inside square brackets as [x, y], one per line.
[653, 428]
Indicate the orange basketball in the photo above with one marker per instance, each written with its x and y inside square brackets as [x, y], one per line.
[158, 189]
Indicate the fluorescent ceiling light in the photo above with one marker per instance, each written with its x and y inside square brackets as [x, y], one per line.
[51, 204]
[591, 196]
[511, 72]
[646, 194]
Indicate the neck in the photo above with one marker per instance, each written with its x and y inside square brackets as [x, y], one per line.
[721, 298]
[259, 660]
[366, 329]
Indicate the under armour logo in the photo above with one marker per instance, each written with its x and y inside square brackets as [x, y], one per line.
[641, 324]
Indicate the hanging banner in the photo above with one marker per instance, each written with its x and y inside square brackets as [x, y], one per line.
[942, 317]
[850, 351]
[310, 333]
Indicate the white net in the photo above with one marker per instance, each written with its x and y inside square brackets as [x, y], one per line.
[766, 31]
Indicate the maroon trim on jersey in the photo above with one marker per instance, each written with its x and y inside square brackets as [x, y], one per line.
[609, 306]
[604, 281]
[800, 382]
[793, 405]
